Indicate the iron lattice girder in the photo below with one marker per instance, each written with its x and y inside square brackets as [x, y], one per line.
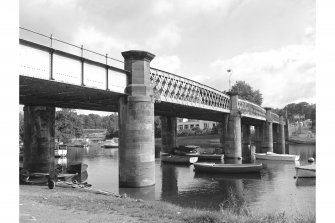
[176, 89]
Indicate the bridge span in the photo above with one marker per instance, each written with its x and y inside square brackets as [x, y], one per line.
[50, 77]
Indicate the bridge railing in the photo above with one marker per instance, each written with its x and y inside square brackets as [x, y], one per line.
[51, 63]
[249, 109]
[175, 89]
[274, 117]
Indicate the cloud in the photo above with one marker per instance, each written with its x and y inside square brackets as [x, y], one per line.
[210, 6]
[167, 63]
[168, 36]
[283, 75]
[162, 6]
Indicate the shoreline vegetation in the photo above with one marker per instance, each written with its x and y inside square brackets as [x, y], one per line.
[67, 204]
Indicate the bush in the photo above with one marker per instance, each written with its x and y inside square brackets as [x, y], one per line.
[185, 132]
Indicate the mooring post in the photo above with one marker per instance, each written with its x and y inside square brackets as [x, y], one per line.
[136, 123]
[232, 144]
[267, 144]
[39, 138]
[168, 133]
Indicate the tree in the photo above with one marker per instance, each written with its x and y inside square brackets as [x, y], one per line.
[67, 125]
[246, 92]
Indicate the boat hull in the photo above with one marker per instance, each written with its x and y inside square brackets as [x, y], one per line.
[308, 171]
[228, 168]
[110, 146]
[209, 156]
[178, 159]
[60, 152]
[274, 156]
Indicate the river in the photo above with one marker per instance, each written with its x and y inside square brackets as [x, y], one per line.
[273, 190]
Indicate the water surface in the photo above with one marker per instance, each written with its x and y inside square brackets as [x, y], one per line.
[273, 190]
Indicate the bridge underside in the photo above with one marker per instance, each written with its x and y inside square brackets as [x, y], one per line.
[251, 121]
[184, 111]
[35, 91]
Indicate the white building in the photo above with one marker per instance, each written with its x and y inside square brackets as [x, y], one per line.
[192, 123]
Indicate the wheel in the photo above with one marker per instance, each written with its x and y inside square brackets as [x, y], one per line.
[51, 184]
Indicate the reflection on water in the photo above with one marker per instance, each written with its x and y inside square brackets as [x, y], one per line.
[272, 190]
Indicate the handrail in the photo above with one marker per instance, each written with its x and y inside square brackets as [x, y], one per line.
[51, 37]
[252, 104]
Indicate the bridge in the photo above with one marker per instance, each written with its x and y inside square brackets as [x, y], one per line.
[50, 77]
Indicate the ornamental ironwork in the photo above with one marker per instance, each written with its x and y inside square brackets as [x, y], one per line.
[249, 109]
[274, 117]
[175, 89]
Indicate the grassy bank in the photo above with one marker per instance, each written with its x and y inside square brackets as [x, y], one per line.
[80, 205]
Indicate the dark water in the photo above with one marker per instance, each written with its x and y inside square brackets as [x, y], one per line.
[273, 190]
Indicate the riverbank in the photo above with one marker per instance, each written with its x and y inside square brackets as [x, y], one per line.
[66, 204]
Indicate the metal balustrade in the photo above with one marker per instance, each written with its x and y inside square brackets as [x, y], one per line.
[47, 63]
[175, 89]
[274, 117]
[249, 109]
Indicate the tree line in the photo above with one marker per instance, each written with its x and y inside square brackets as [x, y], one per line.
[68, 124]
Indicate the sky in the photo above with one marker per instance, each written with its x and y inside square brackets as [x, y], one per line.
[270, 44]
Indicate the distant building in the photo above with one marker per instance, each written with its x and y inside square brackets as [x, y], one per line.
[192, 123]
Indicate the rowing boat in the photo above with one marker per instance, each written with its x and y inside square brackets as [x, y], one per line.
[169, 158]
[306, 171]
[228, 168]
[276, 156]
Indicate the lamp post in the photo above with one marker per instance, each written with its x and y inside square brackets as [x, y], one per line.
[230, 73]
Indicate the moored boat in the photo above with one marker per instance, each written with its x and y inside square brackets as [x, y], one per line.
[187, 150]
[208, 156]
[276, 156]
[169, 158]
[60, 150]
[306, 171]
[228, 168]
[111, 143]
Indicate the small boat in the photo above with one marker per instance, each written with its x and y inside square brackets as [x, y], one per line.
[208, 156]
[80, 169]
[228, 168]
[227, 176]
[306, 171]
[169, 158]
[276, 156]
[112, 143]
[186, 150]
[305, 182]
[60, 150]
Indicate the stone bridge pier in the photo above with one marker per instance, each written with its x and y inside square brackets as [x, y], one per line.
[231, 130]
[267, 142]
[39, 138]
[136, 124]
[168, 133]
[281, 136]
